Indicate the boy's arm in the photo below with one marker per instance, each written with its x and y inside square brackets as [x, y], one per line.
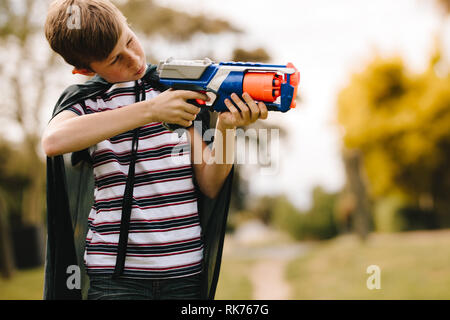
[212, 167]
[68, 132]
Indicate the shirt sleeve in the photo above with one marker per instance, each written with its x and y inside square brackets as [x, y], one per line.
[77, 109]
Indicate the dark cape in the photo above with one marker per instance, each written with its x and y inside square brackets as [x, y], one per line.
[70, 196]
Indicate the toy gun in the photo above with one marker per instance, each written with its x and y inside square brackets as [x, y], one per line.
[275, 85]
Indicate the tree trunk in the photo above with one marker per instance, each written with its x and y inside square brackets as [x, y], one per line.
[357, 185]
[6, 254]
[33, 199]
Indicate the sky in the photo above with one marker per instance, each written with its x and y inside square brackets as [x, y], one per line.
[327, 41]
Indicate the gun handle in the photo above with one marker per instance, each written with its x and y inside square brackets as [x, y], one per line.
[173, 126]
[273, 107]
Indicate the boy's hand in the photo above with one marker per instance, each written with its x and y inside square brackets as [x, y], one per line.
[248, 112]
[172, 107]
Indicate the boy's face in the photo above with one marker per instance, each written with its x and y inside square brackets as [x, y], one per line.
[125, 63]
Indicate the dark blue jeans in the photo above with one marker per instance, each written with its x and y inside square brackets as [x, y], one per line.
[106, 288]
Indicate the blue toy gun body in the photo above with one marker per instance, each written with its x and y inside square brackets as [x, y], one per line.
[275, 85]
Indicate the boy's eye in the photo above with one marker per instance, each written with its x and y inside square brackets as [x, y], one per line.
[118, 57]
[115, 60]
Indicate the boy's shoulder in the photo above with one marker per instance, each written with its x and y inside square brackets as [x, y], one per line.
[97, 86]
[78, 93]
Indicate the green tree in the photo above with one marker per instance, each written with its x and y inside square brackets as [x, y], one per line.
[317, 223]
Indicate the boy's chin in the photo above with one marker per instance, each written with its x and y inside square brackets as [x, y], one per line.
[134, 77]
[131, 76]
[124, 79]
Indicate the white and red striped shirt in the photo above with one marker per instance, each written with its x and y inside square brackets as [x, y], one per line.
[164, 236]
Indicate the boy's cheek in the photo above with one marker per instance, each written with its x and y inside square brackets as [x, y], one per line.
[114, 76]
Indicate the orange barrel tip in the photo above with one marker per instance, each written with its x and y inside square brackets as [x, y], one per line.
[294, 81]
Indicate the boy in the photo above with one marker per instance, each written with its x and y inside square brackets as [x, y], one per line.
[145, 238]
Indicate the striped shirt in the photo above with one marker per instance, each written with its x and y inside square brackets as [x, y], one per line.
[164, 236]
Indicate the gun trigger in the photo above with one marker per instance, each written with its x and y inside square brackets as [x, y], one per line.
[200, 102]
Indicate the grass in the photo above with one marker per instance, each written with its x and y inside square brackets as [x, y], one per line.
[414, 265]
[29, 284]
[24, 285]
[234, 282]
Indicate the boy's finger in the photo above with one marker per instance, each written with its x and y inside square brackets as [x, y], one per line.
[183, 122]
[193, 109]
[252, 105]
[234, 111]
[263, 110]
[245, 111]
[188, 116]
[192, 95]
[186, 124]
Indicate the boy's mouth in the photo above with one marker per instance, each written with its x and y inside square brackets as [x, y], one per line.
[141, 70]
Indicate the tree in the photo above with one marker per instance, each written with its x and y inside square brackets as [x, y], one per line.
[6, 256]
[399, 121]
[445, 4]
[317, 223]
[24, 75]
[13, 180]
[152, 19]
[356, 190]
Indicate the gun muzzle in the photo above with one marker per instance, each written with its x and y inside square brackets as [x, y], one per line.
[266, 86]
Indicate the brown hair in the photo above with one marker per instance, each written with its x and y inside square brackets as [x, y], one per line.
[83, 31]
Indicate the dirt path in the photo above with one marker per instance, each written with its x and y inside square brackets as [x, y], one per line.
[269, 256]
[268, 280]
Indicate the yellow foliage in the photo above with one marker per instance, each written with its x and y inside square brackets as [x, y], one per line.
[401, 123]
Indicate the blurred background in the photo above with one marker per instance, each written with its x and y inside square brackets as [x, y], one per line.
[363, 172]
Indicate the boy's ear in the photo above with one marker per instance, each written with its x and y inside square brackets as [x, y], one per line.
[84, 72]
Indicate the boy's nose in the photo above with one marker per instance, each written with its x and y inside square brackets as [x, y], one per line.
[133, 59]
